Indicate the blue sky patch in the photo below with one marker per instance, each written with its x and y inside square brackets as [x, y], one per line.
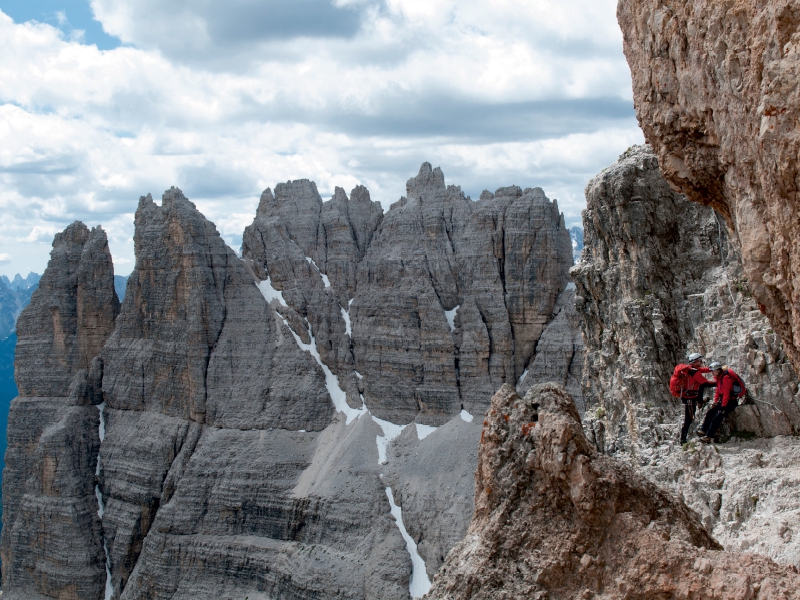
[70, 16]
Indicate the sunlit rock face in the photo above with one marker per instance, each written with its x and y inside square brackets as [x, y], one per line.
[259, 414]
[716, 92]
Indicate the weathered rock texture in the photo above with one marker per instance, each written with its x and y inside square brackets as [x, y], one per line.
[559, 353]
[659, 279]
[746, 492]
[496, 265]
[556, 519]
[225, 471]
[70, 316]
[52, 537]
[716, 92]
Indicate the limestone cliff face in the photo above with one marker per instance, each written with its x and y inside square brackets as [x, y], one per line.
[715, 90]
[423, 311]
[51, 525]
[70, 316]
[250, 445]
[556, 519]
[659, 279]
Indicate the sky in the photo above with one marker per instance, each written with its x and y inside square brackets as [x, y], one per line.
[103, 101]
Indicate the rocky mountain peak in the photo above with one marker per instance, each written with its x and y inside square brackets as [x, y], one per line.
[63, 329]
[429, 181]
[248, 405]
[175, 196]
[70, 315]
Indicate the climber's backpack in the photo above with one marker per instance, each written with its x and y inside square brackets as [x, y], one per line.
[679, 382]
[738, 389]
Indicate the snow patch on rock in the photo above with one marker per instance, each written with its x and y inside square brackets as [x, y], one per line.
[419, 584]
[101, 507]
[270, 293]
[337, 394]
[325, 279]
[390, 432]
[346, 316]
[450, 315]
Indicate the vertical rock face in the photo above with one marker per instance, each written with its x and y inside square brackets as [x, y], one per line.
[70, 316]
[434, 305]
[196, 350]
[659, 280]
[52, 540]
[715, 90]
[195, 339]
[559, 353]
[556, 519]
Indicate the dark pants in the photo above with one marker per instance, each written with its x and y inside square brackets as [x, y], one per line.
[690, 406]
[689, 412]
[715, 416]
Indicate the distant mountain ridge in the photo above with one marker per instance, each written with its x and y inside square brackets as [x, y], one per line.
[14, 296]
[19, 284]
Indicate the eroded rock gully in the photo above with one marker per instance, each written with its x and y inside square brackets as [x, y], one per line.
[554, 519]
[225, 469]
[715, 91]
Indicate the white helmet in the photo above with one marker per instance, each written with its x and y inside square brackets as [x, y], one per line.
[714, 366]
[694, 356]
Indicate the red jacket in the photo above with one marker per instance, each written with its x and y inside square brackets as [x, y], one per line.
[725, 393]
[694, 380]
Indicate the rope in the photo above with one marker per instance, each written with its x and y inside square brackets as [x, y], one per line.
[767, 403]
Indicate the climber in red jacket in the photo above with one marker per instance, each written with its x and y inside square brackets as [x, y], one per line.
[688, 383]
[730, 388]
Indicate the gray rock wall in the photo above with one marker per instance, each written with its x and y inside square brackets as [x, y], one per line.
[659, 279]
[499, 263]
[52, 536]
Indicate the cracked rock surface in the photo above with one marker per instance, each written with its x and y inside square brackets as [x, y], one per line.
[715, 91]
[659, 279]
[50, 521]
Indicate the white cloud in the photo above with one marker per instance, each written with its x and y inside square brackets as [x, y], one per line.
[495, 92]
[4, 258]
[40, 233]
